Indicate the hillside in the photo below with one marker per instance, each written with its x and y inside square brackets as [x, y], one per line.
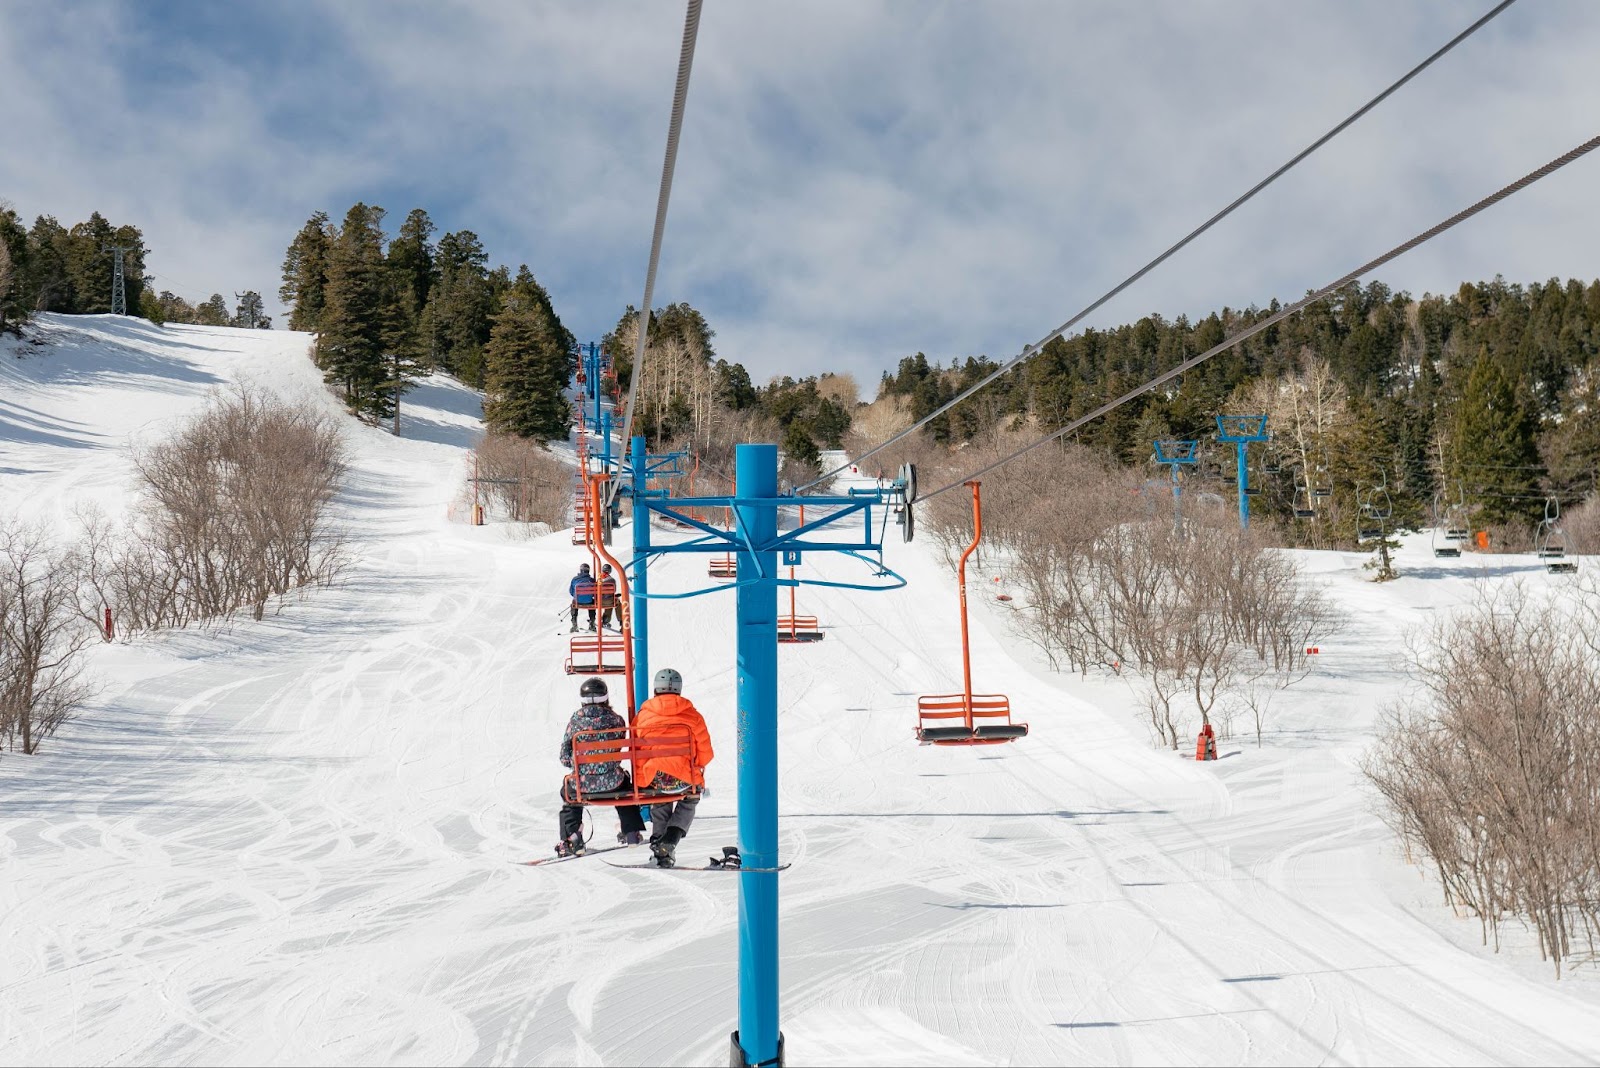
[293, 842]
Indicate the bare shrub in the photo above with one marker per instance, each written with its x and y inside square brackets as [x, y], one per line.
[1493, 772]
[41, 638]
[235, 511]
[1203, 612]
[1582, 527]
[522, 481]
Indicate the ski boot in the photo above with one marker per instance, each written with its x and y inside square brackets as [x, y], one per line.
[630, 838]
[665, 852]
[571, 847]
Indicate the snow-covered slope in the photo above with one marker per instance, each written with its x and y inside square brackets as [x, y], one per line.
[292, 843]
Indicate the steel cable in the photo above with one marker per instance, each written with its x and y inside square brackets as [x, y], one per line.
[1371, 265]
[1153, 264]
[680, 95]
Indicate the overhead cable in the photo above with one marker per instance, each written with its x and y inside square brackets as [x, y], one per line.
[1256, 328]
[680, 94]
[1153, 264]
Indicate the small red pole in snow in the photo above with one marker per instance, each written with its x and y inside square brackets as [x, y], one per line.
[1312, 650]
[109, 631]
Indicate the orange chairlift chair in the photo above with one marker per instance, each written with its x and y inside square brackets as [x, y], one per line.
[598, 653]
[602, 747]
[727, 565]
[967, 718]
[605, 746]
[794, 629]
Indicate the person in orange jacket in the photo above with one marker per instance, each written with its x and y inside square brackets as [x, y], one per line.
[669, 821]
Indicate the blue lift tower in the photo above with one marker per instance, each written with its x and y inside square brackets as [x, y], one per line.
[1239, 431]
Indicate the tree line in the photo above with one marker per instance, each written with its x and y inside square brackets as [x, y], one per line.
[692, 399]
[389, 310]
[1488, 397]
[49, 267]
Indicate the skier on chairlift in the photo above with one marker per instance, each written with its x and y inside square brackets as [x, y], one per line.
[669, 821]
[608, 595]
[595, 714]
[584, 593]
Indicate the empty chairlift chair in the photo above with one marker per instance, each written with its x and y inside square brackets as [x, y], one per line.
[967, 718]
[725, 566]
[1442, 535]
[597, 654]
[796, 629]
[1549, 542]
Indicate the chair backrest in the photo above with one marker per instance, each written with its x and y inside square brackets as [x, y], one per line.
[954, 706]
[606, 746]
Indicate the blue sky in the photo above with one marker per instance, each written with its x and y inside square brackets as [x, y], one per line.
[858, 180]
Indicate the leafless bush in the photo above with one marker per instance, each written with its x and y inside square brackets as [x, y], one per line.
[522, 481]
[1110, 577]
[41, 638]
[1582, 527]
[235, 511]
[1494, 773]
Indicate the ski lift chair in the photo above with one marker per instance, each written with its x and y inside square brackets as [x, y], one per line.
[1550, 549]
[967, 718]
[1309, 510]
[798, 630]
[596, 654]
[724, 566]
[611, 746]
[1446, 551]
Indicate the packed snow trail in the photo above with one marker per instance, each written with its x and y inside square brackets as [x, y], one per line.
[295, 842]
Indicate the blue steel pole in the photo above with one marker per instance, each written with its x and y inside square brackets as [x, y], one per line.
[640, 581]
[1244, 498]
[1177, 501]
[603, 421]
[756, 471]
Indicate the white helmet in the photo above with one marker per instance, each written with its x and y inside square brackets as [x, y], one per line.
[668, 681]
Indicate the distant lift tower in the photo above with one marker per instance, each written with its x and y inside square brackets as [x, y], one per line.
[1175, 455]
[1240, 431]
[119, 294]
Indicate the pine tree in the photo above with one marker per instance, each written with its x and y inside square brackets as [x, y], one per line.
[1495, 439]
[213, 312]
[527, 363]
[411, 262]
[461, 304]
[305, 273]
[50, 283]
[250, 314]
[350, 350]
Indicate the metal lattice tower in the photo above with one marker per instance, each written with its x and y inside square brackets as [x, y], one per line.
[119, 293]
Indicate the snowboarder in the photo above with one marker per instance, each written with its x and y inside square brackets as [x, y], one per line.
[669, 821]
[595, 714]
[608, 595]
[583, 591]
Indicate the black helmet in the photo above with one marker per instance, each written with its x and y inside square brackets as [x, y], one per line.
[605, 568]
[594, 692]
[583, 567]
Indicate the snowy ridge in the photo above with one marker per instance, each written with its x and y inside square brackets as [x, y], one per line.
[289, 842]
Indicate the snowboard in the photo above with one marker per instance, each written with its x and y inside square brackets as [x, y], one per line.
[708, 867]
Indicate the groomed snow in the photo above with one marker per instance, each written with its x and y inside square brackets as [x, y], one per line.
[294, 842]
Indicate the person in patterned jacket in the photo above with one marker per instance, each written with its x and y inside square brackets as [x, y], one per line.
[595, 714]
